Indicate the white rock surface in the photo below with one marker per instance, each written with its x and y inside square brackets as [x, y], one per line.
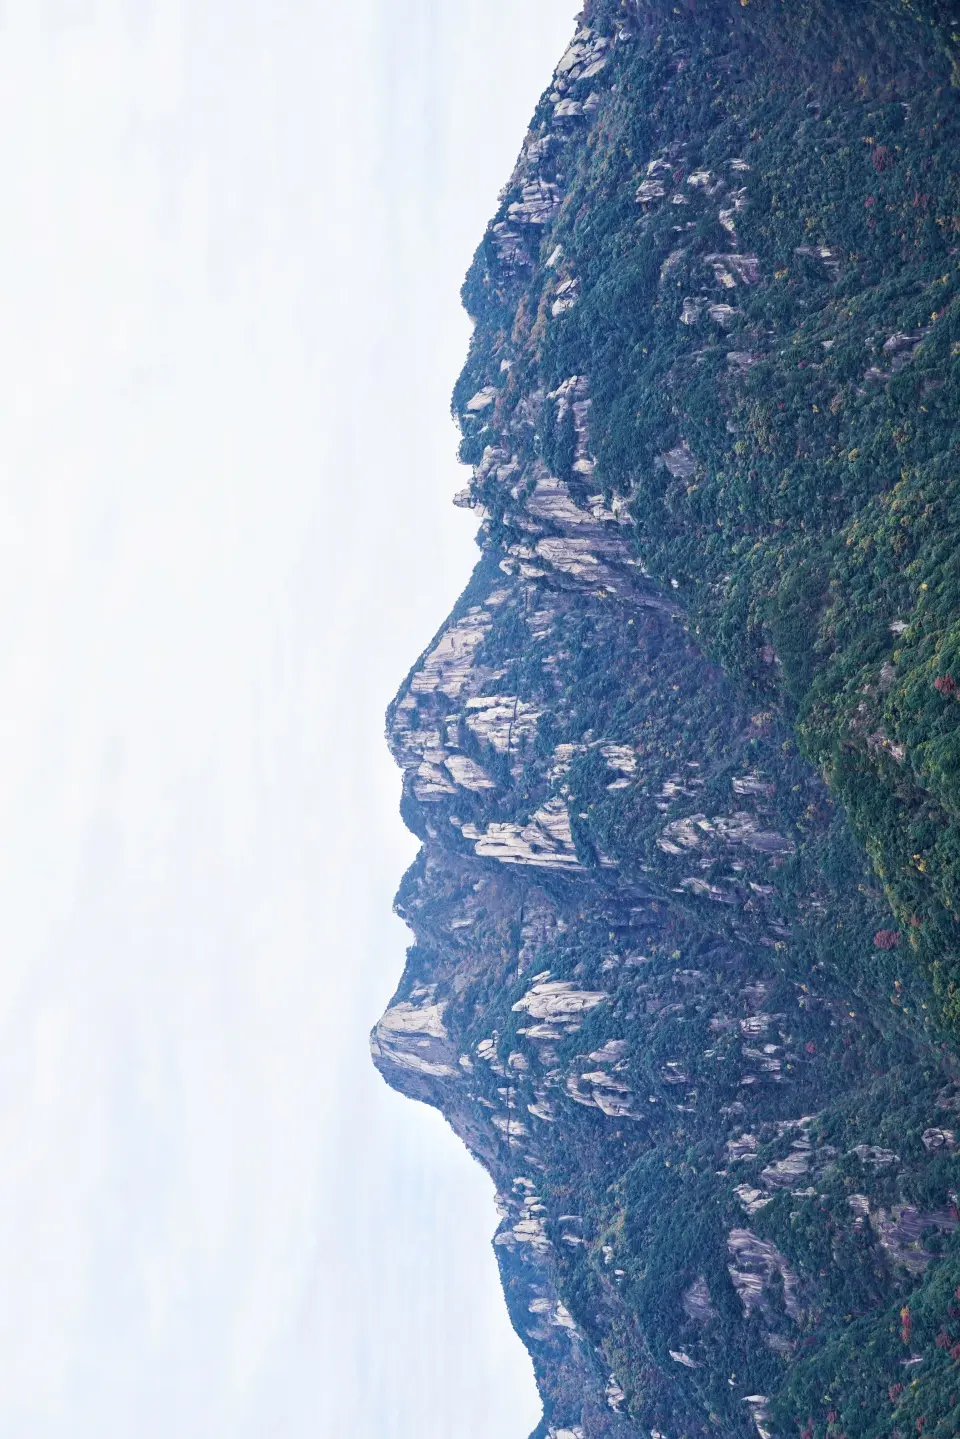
[482, 399]
[558, 1000]
[599, 1090]
[612, 1051]
[567, 294]
[651, 190]
[723, 315]
[502, 721]
[407, 1018]
[874, 1157]
[585, 57]
[759, 1406]
[512, 1129]
[538, 203]
[752, 784]
[754, 1262]
[467, 773]
[448, 665]
[620, 757]
[412, 1036]
[785, 1173]
[570, 556]
[551, 500]
[696, 1301]
[616, 1397]
[680, 1356]
[731, 268]
[939, 1139]
[546, 840]
[824, 254]
[734, 829]
[680, 462]
[743, 1148]
[528, 1227]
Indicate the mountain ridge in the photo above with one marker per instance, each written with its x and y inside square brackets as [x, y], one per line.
[661, 986]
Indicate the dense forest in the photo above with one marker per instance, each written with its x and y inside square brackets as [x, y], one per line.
[685, 759]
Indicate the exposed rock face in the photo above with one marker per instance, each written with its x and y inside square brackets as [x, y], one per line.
[753, 1264]
[639, 988]
[411, 1036]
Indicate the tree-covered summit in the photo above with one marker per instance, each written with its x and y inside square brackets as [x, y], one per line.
[685, 758]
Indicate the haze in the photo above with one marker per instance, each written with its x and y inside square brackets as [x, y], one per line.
[233, 238]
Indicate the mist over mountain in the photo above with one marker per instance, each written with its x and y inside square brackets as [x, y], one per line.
[685, 758]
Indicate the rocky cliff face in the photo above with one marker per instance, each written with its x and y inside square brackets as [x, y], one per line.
[654, 986]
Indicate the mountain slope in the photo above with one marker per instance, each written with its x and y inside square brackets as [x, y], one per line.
[682, 758]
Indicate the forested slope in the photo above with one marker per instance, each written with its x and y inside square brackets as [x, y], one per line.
[684, 759]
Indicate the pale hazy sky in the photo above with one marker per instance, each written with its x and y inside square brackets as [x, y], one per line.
[232, 239]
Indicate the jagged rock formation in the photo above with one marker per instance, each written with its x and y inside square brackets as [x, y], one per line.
[655, 988]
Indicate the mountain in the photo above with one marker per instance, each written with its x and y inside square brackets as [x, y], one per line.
[685, 758]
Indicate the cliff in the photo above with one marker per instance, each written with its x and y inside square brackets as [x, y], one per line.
[683, 760]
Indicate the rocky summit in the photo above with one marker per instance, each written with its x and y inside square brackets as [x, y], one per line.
[685, 758]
